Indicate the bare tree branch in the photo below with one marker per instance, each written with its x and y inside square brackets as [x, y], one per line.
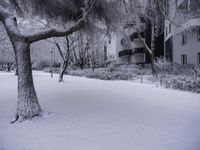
[3, 13]
[161, 9]
[52, 32]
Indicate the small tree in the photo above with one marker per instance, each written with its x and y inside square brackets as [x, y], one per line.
[67, 56]
[81, 54]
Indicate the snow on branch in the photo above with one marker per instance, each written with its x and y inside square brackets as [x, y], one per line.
[52, 32]
[3, 13]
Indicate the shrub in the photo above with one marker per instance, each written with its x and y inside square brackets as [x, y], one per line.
[182, 77]
[185, 83]
[104, 74]
[41, 65]
[166, 67]
[55, 70]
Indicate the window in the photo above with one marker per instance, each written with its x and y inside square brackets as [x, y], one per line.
[132, 37]
[166, 31]
[184, 39]
[105, 52]
[123, 41]
[109, 40]
[198, 58]
[184, 59]
[198, 35]
[170, 27]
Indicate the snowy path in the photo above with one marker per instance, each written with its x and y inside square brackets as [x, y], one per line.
[89, 114]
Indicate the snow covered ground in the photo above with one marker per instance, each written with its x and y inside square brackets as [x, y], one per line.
[89, 114]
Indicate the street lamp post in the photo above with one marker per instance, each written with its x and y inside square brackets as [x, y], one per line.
[51, 64]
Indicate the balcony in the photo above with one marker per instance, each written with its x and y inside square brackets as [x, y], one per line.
[139, 50]
[130, 24]
[131, 52]
[125, 53]
[180, 3]
[135, 36]
[191, 23]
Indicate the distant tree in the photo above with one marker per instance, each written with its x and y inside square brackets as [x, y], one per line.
[96, 51]
[81, 54]
[7, 55]
[67, 56]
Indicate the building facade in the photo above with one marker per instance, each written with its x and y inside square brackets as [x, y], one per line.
[112, 43]
[182, 32]
[132, 48]
[126, 47]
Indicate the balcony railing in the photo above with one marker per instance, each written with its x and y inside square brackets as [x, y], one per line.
[125, 53]
[129, 52]
[191, 23]
[135, 36]
[181, 2]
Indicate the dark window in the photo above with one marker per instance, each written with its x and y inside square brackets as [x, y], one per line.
[132, 37]
[109, 40]
[198, 35]
[184, 59]
[135, 36]
[184, 39]
[105, 52]
[166, 31]
[170, 27]
[125, 53]
[123, 41]
[198, 58]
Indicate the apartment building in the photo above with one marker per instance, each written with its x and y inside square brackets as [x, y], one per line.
[182, 32]
[126, 47]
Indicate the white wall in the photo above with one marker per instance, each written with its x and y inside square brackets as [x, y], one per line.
[138, 58]
[115, 47]
[190, 49]
[111, 48]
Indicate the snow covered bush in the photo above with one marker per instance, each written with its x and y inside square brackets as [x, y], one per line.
[78, 72]
[185, 83]
[55, 70]
[166, 67]
[41, 65]
[103, 74]
[182, 77]
[2, 69]
[114, 75]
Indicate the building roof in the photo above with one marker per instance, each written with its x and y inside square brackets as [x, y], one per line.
[188, 25]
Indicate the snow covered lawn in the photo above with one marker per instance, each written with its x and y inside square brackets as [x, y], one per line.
[89, 114]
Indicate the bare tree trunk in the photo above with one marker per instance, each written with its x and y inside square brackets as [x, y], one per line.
[62, 72]
[65, 58]
[9, 67]
[82, 65]
[93, 65]
[27, 104]
[93, 61]
[153, 38]
[16, 70]
[16, 62]
[149, 50]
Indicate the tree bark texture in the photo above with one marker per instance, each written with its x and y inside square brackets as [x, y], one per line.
[62, 72]
[27, 104]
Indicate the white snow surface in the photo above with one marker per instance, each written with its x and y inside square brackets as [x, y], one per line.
[90, 114]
